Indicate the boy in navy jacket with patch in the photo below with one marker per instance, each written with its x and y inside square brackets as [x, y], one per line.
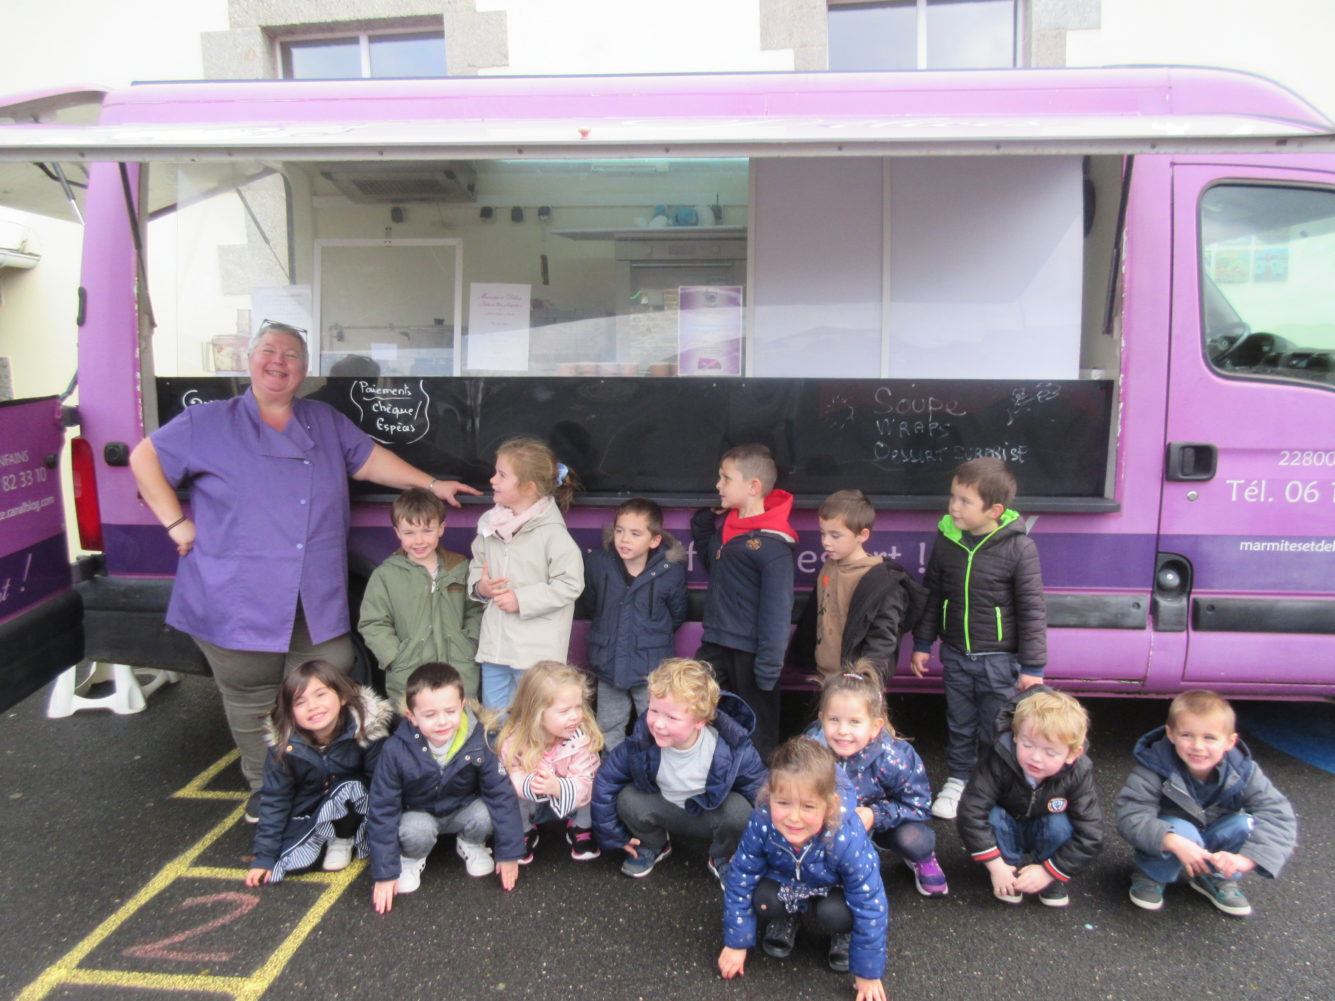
[635, 595]
[1033, 795]
[749, 607]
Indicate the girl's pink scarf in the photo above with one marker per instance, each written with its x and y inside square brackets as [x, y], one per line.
[504, 522]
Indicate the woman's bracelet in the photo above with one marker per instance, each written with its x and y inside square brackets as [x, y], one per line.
[168, 528]
[433, 482]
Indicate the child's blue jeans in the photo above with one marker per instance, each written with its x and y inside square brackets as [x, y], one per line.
[1040, 837]
[1227, 834]
[499, 682]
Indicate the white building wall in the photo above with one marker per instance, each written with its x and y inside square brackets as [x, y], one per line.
[59, 42]
[38, 308]
[56, 44]
[616, 36]
[1285, 40]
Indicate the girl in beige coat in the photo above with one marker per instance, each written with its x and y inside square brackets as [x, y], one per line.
[525, 566]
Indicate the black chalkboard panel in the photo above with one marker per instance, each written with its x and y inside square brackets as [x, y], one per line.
[663, 436]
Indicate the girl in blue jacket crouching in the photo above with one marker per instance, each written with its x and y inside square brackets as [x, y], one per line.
[806, 848]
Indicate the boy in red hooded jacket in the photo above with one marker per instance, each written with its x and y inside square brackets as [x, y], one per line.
[749, 607]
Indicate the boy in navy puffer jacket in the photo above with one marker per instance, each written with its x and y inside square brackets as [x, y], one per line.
[688, 770]
[635, 595]
[438, 774]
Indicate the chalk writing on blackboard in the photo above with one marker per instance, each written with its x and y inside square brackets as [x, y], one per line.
[890, 455]
[839, 411]
[1025, 399]
[913, 428]
[888, 402]
[663, 436]
[395, 414]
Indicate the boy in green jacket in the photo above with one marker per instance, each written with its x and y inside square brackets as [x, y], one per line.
[416, 608]
[985, 602]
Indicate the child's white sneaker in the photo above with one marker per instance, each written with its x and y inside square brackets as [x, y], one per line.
[337, 854]
[948, 799]
[477, 858]
[410, 873]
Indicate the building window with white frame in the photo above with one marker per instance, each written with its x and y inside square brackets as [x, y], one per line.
[363, 55]
[922, 34]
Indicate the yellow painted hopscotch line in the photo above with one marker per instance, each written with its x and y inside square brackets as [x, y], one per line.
[67, 970]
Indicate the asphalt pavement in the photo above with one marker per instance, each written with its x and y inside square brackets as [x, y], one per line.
[124, 851]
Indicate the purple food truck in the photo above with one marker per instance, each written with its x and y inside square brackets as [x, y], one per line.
[1118, 280]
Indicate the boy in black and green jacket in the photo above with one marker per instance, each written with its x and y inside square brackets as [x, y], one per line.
[986, 603]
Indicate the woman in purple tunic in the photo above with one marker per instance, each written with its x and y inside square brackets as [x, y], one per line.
[261, 586]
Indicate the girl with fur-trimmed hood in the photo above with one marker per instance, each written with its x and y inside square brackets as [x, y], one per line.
[324, 737]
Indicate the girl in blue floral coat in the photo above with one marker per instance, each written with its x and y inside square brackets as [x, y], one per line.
[805, 848]
[894, 797]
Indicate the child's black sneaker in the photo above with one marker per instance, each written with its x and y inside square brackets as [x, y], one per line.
[1054, 894]
[780, 937]
[583, 845]
[838, 954]
[531, 838]
[719, 867]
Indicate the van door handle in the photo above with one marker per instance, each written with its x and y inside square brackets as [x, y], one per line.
[1191, 461]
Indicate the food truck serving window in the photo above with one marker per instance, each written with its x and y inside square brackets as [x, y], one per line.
[908, 268]
[486, 267]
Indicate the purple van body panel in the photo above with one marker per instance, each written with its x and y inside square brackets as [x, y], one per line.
[1229, 563]
[109, 345]
[31, 506]
[32, 574]
[34, 559]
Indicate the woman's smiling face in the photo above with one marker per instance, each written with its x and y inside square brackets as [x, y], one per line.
[277, 364]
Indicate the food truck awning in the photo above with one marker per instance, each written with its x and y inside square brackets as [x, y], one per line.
[986, 112]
